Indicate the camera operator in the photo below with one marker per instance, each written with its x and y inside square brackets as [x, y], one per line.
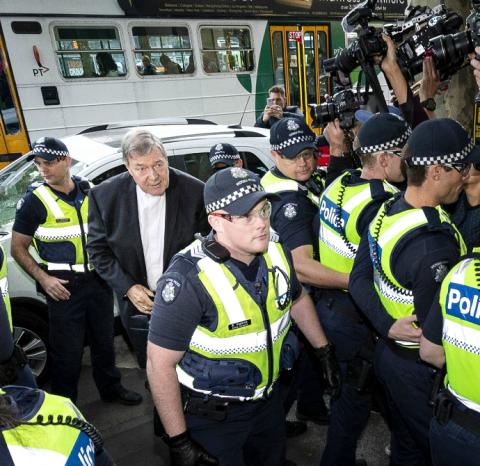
[277, 108]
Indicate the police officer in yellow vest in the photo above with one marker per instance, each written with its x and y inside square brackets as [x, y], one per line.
[451, 336]
[12, 358]
[347, 206]
[411, 246]
[298, 186]
[52, 216]
[219, 333]
[37, 428]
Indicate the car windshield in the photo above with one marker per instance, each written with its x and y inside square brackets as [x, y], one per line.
[14, 180]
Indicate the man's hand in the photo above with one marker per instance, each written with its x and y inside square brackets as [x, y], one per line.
[430, 80]
[404, 330]
[335, 137]
[186, 452]
[330, 369]
[476, 66]
[53, 286]
[140, 297]
[272, 111]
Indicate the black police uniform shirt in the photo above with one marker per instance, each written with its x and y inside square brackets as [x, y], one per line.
[176, 316]
[293, 218]
[31, 212]
[419, 263]
[467, 219]
[433, 328]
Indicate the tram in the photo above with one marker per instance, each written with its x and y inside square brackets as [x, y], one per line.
[66, 66]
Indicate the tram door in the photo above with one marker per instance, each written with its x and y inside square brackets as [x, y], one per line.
[13, 137]
[302, 77]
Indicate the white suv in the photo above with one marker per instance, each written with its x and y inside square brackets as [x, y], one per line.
[96, 156]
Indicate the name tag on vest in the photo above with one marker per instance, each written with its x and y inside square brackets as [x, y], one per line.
[62, 220]
[243, 323]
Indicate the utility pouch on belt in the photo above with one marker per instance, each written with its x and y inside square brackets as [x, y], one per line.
[233, 377]
[360, 371]
[210, 408]
[443, 407]
[290, 351]
[437, 385]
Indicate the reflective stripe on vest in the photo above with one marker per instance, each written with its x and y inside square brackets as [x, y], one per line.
[62, 225]
[338, 235]
[4, 288]
[274, 184]
[460, 303]
[388, 232]
[241, 332]
[51, 444]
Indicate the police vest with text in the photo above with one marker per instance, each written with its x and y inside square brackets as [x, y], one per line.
[60, 241]
[273, 183]
[53, 432]
[385, 233]
[460, 303]
[341, 206]
[240, 358]
[4, 286]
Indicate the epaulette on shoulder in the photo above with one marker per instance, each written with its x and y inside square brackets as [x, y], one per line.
[193, 251]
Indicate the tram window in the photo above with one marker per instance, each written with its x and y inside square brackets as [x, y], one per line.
[89, 52]
[26, 27]
[163, 50]
[226, 50]
[8, 111]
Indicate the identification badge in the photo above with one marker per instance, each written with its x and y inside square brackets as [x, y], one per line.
[62, 220]
[243, 323]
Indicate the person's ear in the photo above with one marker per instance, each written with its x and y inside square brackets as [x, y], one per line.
[216, 223]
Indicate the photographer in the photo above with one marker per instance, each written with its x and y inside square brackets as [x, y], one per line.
[276, 109]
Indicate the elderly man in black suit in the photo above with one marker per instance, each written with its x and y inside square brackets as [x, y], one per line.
[137, 221]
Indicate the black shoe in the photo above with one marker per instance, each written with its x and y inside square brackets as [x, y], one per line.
[295, 428]
[123, 396]
[319, 418]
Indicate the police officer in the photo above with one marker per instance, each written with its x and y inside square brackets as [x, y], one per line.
[12, 358]
[298, 185]
[224, 155]
[346, 208]
[41, 429]
[52, 216]
[219, 333]
[450, 335]
[410, 247]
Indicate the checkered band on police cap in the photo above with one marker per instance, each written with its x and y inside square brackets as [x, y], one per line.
[234, 190]
[48, 148]
[441, 141]
[383, 131]
[290, 136]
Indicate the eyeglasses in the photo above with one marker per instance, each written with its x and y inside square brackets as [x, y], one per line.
[476, 166]
[303, 156]
[248, 219]
[462, 168]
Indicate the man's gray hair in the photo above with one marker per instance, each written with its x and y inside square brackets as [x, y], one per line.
[140, 141]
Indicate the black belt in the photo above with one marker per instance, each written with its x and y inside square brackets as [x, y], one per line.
[446, 409]
[343, 306]
[213, 399]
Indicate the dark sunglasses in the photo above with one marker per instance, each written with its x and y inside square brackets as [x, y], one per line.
[476, 166]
